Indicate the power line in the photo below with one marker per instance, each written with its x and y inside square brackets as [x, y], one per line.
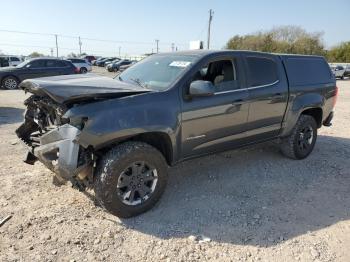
[86, 38]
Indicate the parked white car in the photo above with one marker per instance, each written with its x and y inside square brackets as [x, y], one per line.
[82, 65]
[338, 71]
[10, 60]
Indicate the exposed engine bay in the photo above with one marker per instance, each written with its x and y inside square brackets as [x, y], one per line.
[52, 139]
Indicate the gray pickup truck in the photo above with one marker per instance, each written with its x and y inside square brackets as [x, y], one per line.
[119, 135]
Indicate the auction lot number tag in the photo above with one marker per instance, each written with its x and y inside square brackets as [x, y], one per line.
[181, 64]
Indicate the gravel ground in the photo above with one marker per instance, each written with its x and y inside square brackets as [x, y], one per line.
[250, 204]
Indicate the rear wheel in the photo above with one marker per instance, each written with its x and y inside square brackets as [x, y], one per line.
[302, 139]
[83, 70]
[10, 82]
[130, 179]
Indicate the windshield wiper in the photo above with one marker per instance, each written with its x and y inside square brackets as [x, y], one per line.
[138, 82]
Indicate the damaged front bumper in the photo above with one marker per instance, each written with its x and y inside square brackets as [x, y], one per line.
[58, 150]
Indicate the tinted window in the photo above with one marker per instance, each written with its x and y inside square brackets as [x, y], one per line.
[77, 60]
[261, 71]
[37, 64]
[60, 63]
[307, 70]
[15, 59]
[51, 63]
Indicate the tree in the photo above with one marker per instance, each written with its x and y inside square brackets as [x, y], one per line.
[72, 55]
[340, 53]
[283, 39]
[36, 54]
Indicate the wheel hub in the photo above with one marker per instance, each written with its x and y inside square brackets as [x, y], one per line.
[10, 83]
[306, 136]
[137, 183]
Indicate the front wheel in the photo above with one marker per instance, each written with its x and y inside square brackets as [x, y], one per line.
[83, 70]
[302, 140]
[10, 83]
[130, 179]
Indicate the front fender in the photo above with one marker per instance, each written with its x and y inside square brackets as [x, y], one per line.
[116, 119]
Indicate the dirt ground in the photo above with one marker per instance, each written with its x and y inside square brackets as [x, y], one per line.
[251, 204]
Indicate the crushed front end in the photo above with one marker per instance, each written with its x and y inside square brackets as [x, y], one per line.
[52, 139]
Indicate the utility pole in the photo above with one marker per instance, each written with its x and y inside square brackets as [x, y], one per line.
[51, 51]
[56, 46]
[172, 47]
[209, 24]
[119, 50]
[80, 46]
[157, 42]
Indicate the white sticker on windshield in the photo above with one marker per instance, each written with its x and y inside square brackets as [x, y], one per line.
[182, 64]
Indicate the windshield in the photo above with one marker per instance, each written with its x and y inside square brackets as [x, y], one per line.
[23, 64]
[157, 72]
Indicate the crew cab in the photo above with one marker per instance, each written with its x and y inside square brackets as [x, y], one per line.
[119, 136]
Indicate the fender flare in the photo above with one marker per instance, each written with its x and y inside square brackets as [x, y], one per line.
[297, 106]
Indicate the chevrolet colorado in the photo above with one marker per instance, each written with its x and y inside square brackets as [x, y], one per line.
[119, 135]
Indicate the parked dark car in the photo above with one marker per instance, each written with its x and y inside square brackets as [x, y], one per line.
[10, 77]
[89, 58]
[119, 135]
[114, 67]
[116, 60]
[97, 60]
[103, 61]
[4, 62]
[124, 67]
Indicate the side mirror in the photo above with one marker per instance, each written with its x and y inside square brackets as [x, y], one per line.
[201, 88]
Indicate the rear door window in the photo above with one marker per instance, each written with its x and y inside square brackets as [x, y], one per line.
[60, 63]
[261, 71]
[307, 70]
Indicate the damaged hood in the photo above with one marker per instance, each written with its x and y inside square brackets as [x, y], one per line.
[74, 88]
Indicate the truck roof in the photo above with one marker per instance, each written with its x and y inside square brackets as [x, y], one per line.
[204, 52]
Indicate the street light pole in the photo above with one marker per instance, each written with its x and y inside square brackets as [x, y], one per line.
[157, 42]
[80, 43]
[56, 46]
[209, 25]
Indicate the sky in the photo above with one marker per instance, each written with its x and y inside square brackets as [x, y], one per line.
[134, 25]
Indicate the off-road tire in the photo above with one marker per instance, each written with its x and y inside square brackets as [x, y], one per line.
[289, 145]
[110, 167]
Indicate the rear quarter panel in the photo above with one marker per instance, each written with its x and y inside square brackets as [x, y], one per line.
[311, 85]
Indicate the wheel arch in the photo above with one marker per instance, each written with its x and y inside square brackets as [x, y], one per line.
[159, 140]
[307, 104]
[316, 113]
